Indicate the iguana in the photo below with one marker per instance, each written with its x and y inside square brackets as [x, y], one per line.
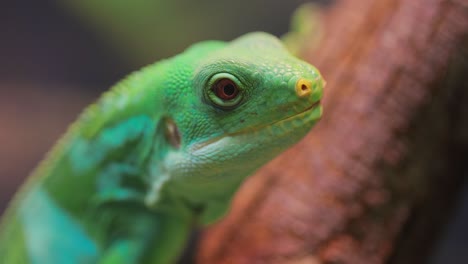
[162, 151]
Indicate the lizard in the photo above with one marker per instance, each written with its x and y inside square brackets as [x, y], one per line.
[163, 150]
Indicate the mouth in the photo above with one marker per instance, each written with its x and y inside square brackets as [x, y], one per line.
[300, 115]
[308, 116]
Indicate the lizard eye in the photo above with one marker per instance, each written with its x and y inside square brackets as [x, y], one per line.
[224, 91]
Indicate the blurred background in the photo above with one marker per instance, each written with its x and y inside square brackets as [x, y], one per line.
[58, 56]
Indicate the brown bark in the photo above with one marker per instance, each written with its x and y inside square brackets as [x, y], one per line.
[376, 177]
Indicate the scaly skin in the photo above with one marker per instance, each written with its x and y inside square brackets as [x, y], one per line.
[163, 150]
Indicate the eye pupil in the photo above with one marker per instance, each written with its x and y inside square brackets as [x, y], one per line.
[229, 89]
[225, 89]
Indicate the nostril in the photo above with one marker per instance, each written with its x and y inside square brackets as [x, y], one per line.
[303, 87]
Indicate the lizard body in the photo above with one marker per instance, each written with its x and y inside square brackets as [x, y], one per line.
[161, 151]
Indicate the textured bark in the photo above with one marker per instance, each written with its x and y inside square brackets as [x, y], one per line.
[375, 179]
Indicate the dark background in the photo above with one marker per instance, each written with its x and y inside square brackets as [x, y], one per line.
[55, 58]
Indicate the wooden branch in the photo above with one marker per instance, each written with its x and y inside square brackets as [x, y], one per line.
[370, 183]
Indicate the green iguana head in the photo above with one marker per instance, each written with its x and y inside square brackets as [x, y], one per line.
[240, 105]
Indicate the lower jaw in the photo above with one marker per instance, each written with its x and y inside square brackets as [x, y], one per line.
[233, 157]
